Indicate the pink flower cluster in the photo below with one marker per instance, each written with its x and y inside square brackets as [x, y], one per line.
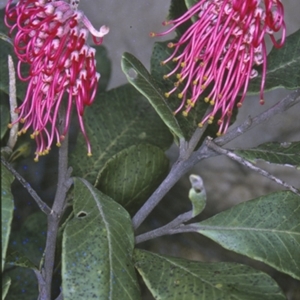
[219, 51]
[51, 37]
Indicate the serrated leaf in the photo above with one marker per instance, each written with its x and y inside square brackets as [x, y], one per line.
[282, 68]
[170, 278]
[97, 248]
[6, 281]
[133, 174]
[7, 208]
[275, 153]
[23, 284]
[266, 229]
[140, 78]
[118, 119]
[30, 240]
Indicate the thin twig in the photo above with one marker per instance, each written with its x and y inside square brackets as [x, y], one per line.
[287, 102]
[164, 229]
[13, 134]
[41, 283]
[41, 204]
[63, 185]
[249, 165]
[182, 166]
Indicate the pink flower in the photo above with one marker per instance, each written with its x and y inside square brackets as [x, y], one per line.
[219, 51]
[51, 37]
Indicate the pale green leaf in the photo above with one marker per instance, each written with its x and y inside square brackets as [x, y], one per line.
[117, 120]
[275, 153]
[6, 281]
[7, 208]
[170, 278]
[266, 229]
[140, 78]
[97, 248]
[133, 174]
[197, 194]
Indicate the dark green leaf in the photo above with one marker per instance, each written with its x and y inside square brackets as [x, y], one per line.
[5, 49]
[29, 241]
[16, 258]
[170, 278]
[4, 114]
[187, 124]
[97, 248]
[103, 66]
[6, 281]
[7, 208]
[117, 120]
[283, 67]
[133, 174]
[177, 9]
[23, 285]
[266, 229]
[275, 153]
[140, 78]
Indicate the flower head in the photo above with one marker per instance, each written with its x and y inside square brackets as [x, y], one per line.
[219, 51]
[51, 37]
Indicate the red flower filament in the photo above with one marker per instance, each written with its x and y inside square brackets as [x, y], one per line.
[219, 50]
[51, 37]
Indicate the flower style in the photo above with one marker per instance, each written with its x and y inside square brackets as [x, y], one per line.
[219, 50]
[51, 37]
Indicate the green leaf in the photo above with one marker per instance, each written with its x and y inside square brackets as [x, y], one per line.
[117, 120]
[190, 3]
[170, 278]
[283, 67]
[6, 281]
[197, 194]
[4, 115]
[266, 229]
[97, 248]
[103, 66]
[275, 153]
[133, 174]
[177, 9]
[189, 123]
[7, 208]
[29, 241]
[23, 284]
[140, 78]
[16, 258]
[5, 49]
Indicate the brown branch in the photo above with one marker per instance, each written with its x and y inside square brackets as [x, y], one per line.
[249, 165]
